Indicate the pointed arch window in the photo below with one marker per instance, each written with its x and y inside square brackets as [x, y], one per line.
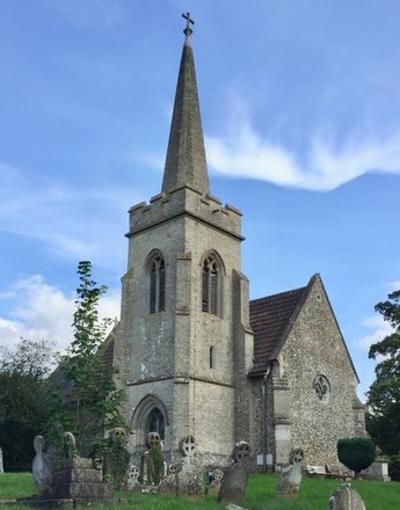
[157, 284]
[156, 422]
[211, 285]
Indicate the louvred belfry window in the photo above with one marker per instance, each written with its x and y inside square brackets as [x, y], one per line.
[157, 284]
[211, 283]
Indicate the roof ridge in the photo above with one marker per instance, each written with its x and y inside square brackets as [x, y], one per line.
[298, 289]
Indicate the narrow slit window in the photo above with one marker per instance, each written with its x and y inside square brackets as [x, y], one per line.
[157, 284]
[212, 356]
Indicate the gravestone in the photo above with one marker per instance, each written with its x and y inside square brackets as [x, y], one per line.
[116, 459]
[190, 478]
[67, 480]
[133, 477]
[234, 482]
[346, 498]
[153, 466]
[379, 469]
[41, 466]
[214, 486]
[289, 483]
[1, 461]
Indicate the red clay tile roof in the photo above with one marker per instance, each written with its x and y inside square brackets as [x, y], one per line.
[269, 318]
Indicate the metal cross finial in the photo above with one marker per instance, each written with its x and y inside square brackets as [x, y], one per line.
[188, 31]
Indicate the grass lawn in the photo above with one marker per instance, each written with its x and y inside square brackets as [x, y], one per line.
[314, 495]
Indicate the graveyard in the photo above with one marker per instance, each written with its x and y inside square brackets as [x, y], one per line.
[314, 495]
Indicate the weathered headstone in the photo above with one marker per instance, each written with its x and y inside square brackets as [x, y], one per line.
[133, 477]
[379, 469]
[214, 486]
[346, 498]
[1, 461]
[190, 478]
[153, 466]
[116, 460]
[289, 483]
[41, 468]
[234, 483]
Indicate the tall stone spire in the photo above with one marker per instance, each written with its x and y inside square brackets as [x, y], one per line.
[186, 159]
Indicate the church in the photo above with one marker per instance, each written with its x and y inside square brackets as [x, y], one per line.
[195, 356]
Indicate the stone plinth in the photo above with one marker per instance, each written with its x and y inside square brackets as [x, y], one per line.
[378, 470]
[81, 482]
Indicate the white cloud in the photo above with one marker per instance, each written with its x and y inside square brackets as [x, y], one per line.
[85, 223]
[326, 165]
[393, 285]
[42, 311]
[378, 330]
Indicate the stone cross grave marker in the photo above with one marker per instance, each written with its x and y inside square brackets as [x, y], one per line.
[188, 448]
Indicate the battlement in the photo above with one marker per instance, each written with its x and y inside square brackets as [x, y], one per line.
[188, 202]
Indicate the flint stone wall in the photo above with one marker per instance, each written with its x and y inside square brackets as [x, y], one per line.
[314, 346]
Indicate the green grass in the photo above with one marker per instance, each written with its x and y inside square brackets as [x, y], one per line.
[314, 495]
[16, 485]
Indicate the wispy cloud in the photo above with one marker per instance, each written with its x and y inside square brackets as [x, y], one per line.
[393, 286]
[378, 329]
[85, 223]
[42, 311]
[325, 165]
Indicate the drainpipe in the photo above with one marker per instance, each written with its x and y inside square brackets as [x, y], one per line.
[264, 421]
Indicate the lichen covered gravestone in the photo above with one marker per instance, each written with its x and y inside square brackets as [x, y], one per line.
[234, 483]
[346, 498]
[214, 486]
[153, 461]
[290, 481]
[116, 459]
[190, 478]
[41, 466]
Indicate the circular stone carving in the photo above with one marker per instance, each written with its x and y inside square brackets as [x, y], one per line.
[133, 473]
[173, 469]
[241, 451]
[188, 446]
[153, 439]
[118, 434]
[218, 475]
[322, 387]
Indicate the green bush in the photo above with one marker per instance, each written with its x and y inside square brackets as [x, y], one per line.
[356, 453]
[155, 465]
[394, 467]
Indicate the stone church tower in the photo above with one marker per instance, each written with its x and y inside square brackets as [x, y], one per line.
[184, 340]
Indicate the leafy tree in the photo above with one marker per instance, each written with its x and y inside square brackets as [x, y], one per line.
[25, 400]
[356, 453]
[92, 400]
[383, 420]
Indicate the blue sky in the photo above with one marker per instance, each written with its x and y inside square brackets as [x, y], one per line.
[300, 104]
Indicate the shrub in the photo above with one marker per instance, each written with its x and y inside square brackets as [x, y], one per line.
[356, 453]
[155, 465]
[394, 467]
